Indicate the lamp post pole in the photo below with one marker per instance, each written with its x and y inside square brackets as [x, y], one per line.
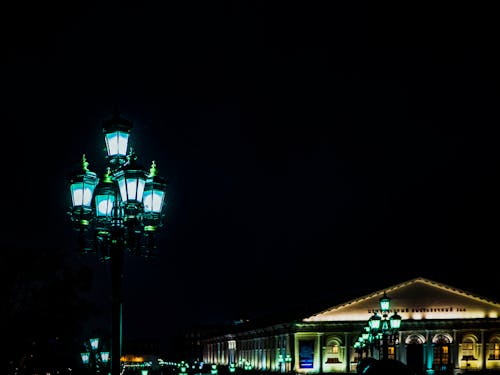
[116, 259]
[381, 328]
[118, 213]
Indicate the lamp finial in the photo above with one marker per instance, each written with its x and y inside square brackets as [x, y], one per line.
[153, 171]
[85, 164]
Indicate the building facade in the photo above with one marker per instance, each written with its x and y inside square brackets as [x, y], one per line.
[443, 330]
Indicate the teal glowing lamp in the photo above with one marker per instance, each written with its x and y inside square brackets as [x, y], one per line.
[105, 199]
[94, 343]
[385, 304]
[288, 358]
[153, 199]
[395, 321]
[105, 357]
[116, 135]
[144, 372]
[82, 186]
[385, 325]
[374, 322]
[85, 358]
[131, 180]
[183, 367]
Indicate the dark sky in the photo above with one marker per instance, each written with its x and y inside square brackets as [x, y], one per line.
[314, 153]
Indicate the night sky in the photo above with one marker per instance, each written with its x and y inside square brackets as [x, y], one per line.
[314, 154]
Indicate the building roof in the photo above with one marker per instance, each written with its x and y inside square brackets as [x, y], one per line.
[418, 298]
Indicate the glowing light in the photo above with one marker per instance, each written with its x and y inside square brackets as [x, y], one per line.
[85, 358]
[94, 343]
[82, 194]
[104, 205]
[117, 143]
[104, 357]
[131, 189]
[153, 201]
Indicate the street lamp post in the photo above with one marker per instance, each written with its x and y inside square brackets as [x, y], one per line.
[363, 345]
[93, 358]
[288, 361]
[117, 213]
[284, 361]
[384, 328]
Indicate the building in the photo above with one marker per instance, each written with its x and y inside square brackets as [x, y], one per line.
[443, 329]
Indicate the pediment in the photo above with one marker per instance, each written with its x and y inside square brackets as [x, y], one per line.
[418, 298]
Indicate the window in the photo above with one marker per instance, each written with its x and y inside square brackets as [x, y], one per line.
[391, 352]
[440, 357]
[494, 351]
[333, 352]
[441, 353]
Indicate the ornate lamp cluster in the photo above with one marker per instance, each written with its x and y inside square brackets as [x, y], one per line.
[93, 358]
[380, 332]
[286, 360]
[126, 204]
[117, 213]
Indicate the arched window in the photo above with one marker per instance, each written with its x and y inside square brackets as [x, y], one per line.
[333, 351]
[468, 348]
[415, 339]
[441, 352]
[494, 348]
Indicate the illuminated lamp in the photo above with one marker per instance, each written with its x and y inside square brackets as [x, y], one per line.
[154, 198]
[374, 322]
[82, 186]
[116, 135]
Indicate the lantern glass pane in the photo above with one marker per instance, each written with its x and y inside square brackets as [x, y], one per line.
[105, 357]
[116, 143]
[132, 190]
[374, 322]
[123, 188]
[104, 204]
[85, 358]
[94, 343]
[140, 189]
[385, 303]
[396, 322]
[81, 194]
[153, 201]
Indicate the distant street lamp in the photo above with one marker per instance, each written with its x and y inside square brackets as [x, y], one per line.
[384, 330]
[93, 358]
[286, 361]
[117, 213]
[364, 343]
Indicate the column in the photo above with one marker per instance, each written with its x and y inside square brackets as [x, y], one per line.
[347, 352]
[320, 346]
[483, 351]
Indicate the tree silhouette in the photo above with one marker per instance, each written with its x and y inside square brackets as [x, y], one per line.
[44, 309]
